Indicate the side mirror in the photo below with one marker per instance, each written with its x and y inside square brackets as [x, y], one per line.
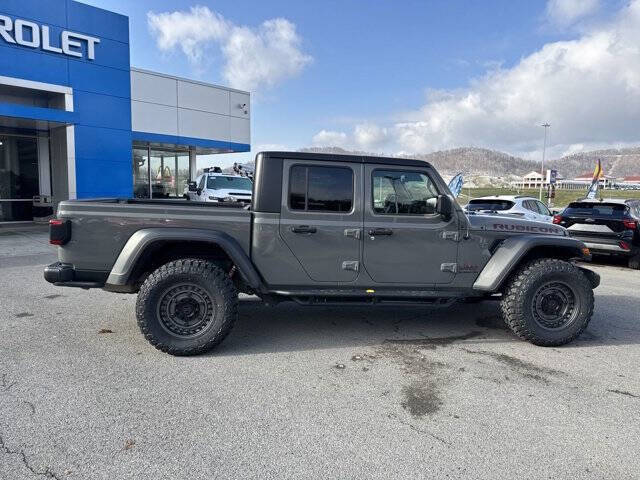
[444, 206]
[192, 186]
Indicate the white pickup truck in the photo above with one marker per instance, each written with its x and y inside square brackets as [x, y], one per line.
[219, 187]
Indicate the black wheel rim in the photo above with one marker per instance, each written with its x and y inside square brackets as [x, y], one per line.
[555, 305]
[186, 310]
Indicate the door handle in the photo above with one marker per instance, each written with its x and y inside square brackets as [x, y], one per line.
[304, 229]
[380, 231]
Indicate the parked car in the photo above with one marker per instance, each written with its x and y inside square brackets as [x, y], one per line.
[515, 205]
[607, 227]
[322, 230]
[220, 187]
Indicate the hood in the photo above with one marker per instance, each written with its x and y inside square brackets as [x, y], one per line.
[509, 224]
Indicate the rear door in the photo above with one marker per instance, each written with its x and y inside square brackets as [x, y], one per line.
[405, 240]
[321, 221]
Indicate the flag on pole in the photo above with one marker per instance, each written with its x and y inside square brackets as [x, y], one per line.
[455, 185]
[595, 183]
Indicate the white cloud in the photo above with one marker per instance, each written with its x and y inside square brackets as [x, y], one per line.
[253, 57]
[329, 138]
[566, 12]
[370, 136]
[588, 89]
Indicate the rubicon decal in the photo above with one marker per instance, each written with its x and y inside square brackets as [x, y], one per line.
[527, 228]
[32, 35]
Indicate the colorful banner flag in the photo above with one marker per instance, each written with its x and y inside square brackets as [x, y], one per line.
[595, 183]
[455, 185]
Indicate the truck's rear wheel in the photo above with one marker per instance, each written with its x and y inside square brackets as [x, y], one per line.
[187, 307]
[548, 302]
[634, 261]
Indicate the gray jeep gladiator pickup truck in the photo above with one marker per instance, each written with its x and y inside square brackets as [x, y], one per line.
[322, 229]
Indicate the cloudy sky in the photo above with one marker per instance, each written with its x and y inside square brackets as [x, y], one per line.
[411, 76]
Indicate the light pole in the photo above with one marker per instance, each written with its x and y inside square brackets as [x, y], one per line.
[544, 152]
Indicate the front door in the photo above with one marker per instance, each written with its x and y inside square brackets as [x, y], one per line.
[321, 221]
[405, 240]
[19, 177]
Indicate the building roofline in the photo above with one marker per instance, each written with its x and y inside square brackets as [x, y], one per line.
[188, 80]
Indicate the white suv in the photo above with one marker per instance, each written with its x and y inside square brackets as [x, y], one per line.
[219, 187]
[514, 205]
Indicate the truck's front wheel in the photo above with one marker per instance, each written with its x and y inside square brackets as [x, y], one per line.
[187, 307]
[548, 302]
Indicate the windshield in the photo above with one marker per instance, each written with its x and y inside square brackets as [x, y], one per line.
[614, 210]
[229, 183]
[493, 205]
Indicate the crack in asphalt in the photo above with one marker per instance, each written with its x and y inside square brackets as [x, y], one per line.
[419, 430]
[47, 473]
[5, 387]
[623, 392]
[3, 383]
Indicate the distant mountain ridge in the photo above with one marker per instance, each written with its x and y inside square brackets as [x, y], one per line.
[481, 161]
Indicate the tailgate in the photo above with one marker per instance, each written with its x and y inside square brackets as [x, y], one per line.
[601, 225]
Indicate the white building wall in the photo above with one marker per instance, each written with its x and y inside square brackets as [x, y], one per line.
[173, 106]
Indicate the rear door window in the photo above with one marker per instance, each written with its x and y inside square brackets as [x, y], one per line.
[613, 210]
[321, 189]
[542, 208]
[530, 205]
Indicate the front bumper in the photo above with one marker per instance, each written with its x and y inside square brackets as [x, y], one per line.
[64, 275]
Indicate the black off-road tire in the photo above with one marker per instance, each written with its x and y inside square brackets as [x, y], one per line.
[634, 262]
[521, 303]
[198, 287]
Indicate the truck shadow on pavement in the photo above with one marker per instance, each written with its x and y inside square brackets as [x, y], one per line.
[290, 327]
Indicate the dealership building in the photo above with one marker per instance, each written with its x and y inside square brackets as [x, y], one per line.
[77, 121]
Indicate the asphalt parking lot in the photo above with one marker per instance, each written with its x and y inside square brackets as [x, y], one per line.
[299, 392]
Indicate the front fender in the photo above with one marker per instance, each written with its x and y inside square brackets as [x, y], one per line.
[512, 250]
[142, 239]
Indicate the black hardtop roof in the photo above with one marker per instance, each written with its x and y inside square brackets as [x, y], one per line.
[334, 157]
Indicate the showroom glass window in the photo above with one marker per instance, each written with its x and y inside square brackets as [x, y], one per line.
[397, 192]
[321, 189]
[159, 173]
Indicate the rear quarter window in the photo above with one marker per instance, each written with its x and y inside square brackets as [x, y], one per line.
[493, 205]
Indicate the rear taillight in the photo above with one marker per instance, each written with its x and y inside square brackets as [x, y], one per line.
[557, 219]
[630, 224]
[59, 231]
[624, 246]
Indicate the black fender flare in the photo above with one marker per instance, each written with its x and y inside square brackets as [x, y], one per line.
[143, 239]
[512, 250]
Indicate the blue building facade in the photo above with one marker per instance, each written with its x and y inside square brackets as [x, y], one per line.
[66, 87]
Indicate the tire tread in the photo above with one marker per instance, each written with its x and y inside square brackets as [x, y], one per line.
[516, 291]
[204, 269]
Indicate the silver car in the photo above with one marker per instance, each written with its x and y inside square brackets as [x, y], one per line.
[513, 205]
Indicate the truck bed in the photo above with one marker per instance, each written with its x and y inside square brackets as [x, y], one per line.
[101, 227]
